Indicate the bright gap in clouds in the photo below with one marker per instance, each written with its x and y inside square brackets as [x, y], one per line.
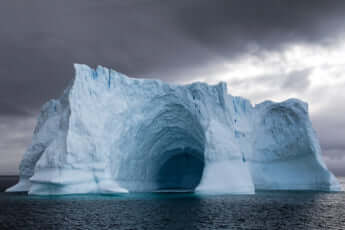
[312, 73]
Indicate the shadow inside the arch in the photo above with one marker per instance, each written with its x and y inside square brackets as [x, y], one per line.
[181, 173]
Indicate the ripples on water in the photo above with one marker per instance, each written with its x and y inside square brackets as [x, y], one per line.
[265, 210]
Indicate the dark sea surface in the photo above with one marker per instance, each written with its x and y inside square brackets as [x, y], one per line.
[265, 210]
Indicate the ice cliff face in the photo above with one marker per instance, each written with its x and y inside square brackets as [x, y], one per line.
[111, 134]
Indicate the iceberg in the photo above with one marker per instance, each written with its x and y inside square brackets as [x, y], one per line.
[109, 133]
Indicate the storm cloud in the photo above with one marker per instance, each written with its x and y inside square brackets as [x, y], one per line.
[176, 41]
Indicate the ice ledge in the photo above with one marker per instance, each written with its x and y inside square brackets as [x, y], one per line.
[23, 185]
[61, 182]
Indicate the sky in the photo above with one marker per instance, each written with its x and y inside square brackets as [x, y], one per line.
[269, 49]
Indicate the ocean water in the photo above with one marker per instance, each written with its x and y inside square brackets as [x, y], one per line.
[265, 210]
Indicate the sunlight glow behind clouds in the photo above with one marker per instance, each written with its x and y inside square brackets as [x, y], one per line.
[267, 75]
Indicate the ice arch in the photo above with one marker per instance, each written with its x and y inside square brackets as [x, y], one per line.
[108, 129]
[168, 150]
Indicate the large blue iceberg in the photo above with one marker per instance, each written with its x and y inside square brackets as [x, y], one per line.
[112, 134]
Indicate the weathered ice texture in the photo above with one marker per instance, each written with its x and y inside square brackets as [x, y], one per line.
[112, 134]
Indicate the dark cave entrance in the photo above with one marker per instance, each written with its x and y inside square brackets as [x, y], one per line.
[181, 172]
[167, 153]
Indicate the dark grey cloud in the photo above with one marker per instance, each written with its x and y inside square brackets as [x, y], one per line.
[171, 40]
[234, 27]
[39, 40]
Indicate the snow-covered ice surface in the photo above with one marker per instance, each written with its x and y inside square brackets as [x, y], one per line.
[112, 134]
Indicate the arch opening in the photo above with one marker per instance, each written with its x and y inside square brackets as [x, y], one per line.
[181, 172]
[166, 152]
